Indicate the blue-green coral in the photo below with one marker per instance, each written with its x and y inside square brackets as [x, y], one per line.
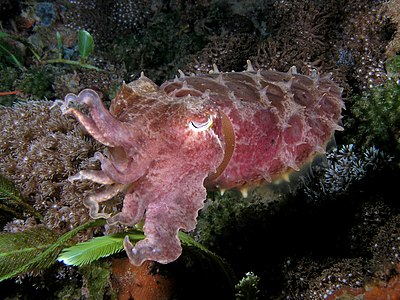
[344, 166]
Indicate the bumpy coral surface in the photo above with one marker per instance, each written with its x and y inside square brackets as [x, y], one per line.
[225, 130]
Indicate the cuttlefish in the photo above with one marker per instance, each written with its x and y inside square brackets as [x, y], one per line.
[168, 144]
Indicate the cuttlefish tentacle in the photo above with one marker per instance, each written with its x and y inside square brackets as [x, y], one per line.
[101, 124]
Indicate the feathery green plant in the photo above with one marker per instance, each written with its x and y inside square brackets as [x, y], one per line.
[87, 252]
[103, 246]
[19, 251]
[96, 248]
[34, 250]
[11, 199]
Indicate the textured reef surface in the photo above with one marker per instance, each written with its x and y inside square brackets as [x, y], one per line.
[331, 232]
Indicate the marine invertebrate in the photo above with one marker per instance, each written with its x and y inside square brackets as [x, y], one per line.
[391, 8]
[247, 288]
[46, 12]
[345, 165]
[139, 282]
[224, 130]
[39, 149]
[102, 17]
[375, 118]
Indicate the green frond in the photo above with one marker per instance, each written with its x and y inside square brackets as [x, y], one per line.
[8, 191]
[96, 248]
[34, 250]
[103, 246]
[10, 198]
[18, 250]
[189, 241]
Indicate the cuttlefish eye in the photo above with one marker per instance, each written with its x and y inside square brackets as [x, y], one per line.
[201, 126]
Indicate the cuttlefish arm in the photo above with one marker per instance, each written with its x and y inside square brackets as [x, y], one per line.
[122, 166]
[166, 214]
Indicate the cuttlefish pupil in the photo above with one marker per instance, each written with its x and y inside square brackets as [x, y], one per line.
[201, 126]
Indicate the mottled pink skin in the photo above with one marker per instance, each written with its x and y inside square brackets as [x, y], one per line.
[167, 143]
[281, 120]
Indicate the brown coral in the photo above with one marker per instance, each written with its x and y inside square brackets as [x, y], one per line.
[39, 149]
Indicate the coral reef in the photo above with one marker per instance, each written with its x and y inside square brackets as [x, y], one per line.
[38, 82]
[344, 166]
[349, 273]
[46, 12]
[103, 17]
[140, 283]
[39, 149]
[375, 117]
[391, 10]
[346, 38]
[155, 51]
[341, 220]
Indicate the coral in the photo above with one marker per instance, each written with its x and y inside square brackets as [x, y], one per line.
[39, 149]
[366, 33]
[389, 290]
[372, 216]
[141, 283]
[300, 41]
[375, 118]
[391, 9]
[156, 51]
[247, 288]
[102, 17]
[46, 13]
[344, 167]
[8, 79]
[225, 52]
[354, 279]
[345, 273]
[38, 81]
[386, 247]
[107, 81]
[346, 38]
